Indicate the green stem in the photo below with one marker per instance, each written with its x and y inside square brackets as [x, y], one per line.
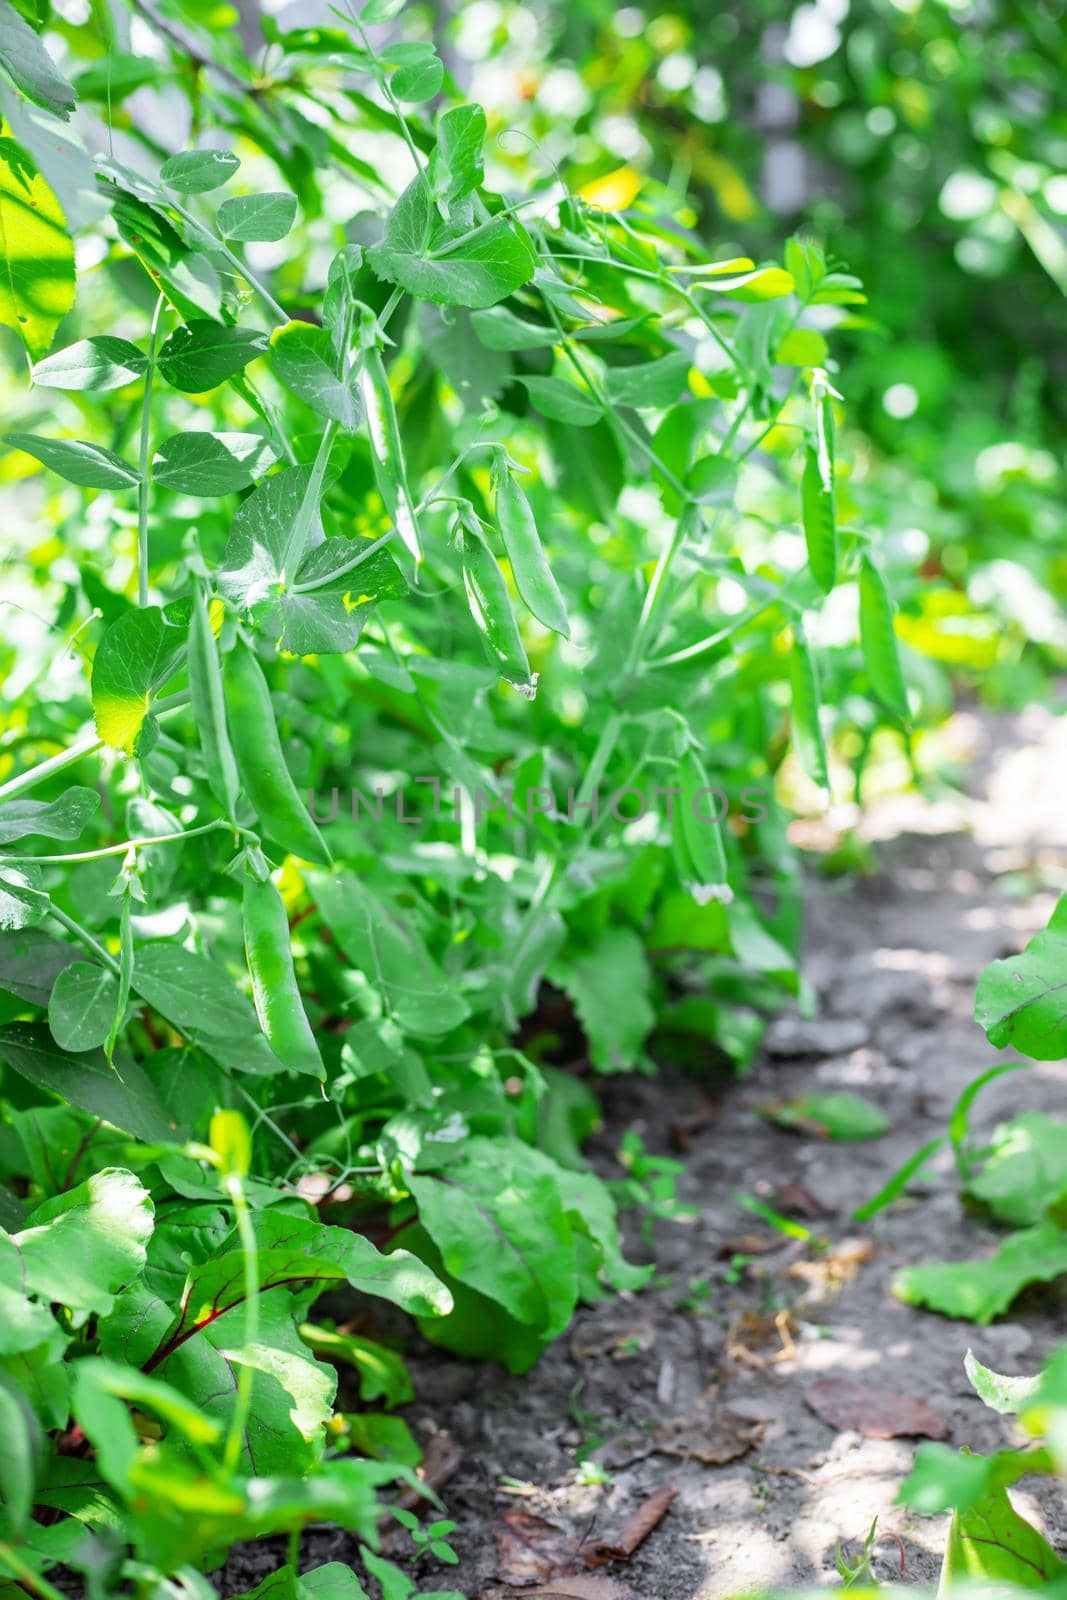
[88, 747]
[293, 1557]
[85, 937]
[246, 1376]
[26, 1575]
[129, 844]
[142, 487]
[235, 261]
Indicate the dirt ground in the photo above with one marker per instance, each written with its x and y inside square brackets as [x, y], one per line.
[714, 1361]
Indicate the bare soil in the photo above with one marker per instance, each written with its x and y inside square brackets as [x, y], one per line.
[715, 1360]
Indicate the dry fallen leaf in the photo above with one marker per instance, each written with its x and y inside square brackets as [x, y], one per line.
[579, 1587]
[530, 1549]
[711, 1439]
[636, 1529]
[850, 1405]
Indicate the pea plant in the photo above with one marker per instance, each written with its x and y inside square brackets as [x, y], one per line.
[441, 560]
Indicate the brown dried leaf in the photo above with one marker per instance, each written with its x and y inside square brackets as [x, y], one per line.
[851, 1405]
[795, 1200]
[636, 1529]
[711, 1439]
[531, 1550]
[579, 1587]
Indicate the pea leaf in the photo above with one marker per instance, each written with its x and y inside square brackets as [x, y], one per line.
[31, 961]
[198, 171]
[449, 262]
[22, 900]
[91, 466]
[456, 164]
[419, 79]
[475, 373]
[329, 619]
[122, 1096]
[252, 564]
[208, 464]
[655, 384]
[1023, 1001]
[252, 218]
[100, 363]
[64, 818]
[137, 654]
[500, 329]
[609, 982]
[81, 1247]
[562, 402]
[190, 282]
[981, 1290]
[191, 991]
[201, 355]
[32, 69]
[303, 358]
[1024, 1170]
[82, 1006]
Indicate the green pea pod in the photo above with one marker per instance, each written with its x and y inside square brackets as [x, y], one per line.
[269, 953]
[701, 832]
[879, 641]
[531, 571]
[387, 451]
[126, 960]
[806, 725]
[282, 814]
[820, 528]
[209, 709]
[490, 604]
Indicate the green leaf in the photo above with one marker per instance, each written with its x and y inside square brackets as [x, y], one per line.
[251, 218]
[192, 992]
[122, 1096]
[562, 402]
[501, 329]
[80, 1248]
[610, 982]
[198, 171]
[980, 1290]
[208, 464]
[303, 358]
[381, 1373]
[475, 373]
[136, 656]
[23, 1443]
[32, 69]
[838, 1115]
[330, 618]
[1023, 1001]
[1006, 1395]
[22, 900]
[82, 1006]
[456, 164]
[253, 562]
[24, 1325]
[31, 961]
[189, 281]
[91, 466]
[419, 80]
[655, 384]
[1025, 1168]
[387, 948]
[990, 1543]
[64, 818]
[943, 1479]
[118, 75]
[201, 355]
[100, 363]
[448, 262]
[381, 10]
[496, 1215]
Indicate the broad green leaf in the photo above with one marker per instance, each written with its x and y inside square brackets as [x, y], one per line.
[501, 329]
[419, 79]
[118, 75]
[943, 1479]
[198, 171]
[837, 1115]
[25, 1325]
[562, 402]
[64, 818]
[1006, 1395]
[208, 464]
[382, 10]
[1023, 1001]
[37, 284]
[980, 1290]
[31, 961]
[90, 466]
[189, 281]
[256, 217]
[654, 384]
[22, 1435]
[252, 564]
[136, 656]
[456, 164]
[496, 1215]
[381, 1372]
[191, 991]
[448, 262]
[385, 946]
[121, 1095]
[82, 1006]
[23, 902]
[100, 363]
[82, 1247]
[610, 982]
[29, 65]
[475, 373]
[1024, 1170]
[303, 358]
[330, 618]
[991, 1544]
[201, 355]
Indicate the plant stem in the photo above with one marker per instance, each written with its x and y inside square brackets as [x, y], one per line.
[88, 747]
[142, 487]
[235, 261]
[85, 937]
[246, 1376]
[128, 844]
[26, 1575]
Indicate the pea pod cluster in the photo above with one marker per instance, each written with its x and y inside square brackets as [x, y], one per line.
[264, 775]
[490, 604]
[387, 450]
[269, 953]
[817, 490]
[537, 587]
